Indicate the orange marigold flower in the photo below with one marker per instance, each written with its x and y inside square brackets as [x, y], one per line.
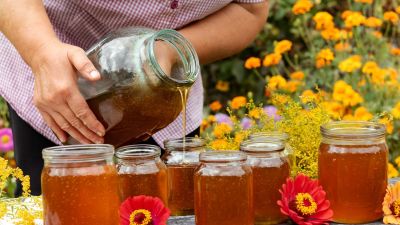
[215, 106]
[298, 75]
[398, 9]
[391, 202]
[342, 46]
[388, 124]
[308, 96]
[378, 76]
[332, 34]
[272, 59]
[222, 86]
[283, 46]
[361, 113]
[391, 16]
[324, 57]
[395, 51]
[292, 85]
[256, 113]
[350, 64]
[238, 102]
[323, 20]
[302, 7]
[276, 82]
[335, 109]
[365, 1]
[369, 67]
[252, 63]
[373, 22]
[221, 129]
[354, 19]
[346, 13]
[377, 34]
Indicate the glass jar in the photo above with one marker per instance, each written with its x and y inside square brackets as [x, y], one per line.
[141, 172]
[142, 74]
[182, 159]
[270, 167]
[352, 163]
[223, 189]
[80, 185]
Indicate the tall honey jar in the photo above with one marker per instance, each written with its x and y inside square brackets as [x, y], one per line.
[352, 162]
[182, 159]
[80, 186]
[141, 172]
[223, 189]
[270, 166]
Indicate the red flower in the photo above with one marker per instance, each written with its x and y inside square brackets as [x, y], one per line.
[303, 200]
[143, 210]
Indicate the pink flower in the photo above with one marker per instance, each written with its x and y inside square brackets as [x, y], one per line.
[6, 140]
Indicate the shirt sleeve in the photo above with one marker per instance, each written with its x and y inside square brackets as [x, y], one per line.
[249, 1]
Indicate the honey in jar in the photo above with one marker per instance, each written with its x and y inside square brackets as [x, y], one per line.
[223, 189]
[141, 172]
[353, 159]
[80, 185]
[270, 168]
[182, 159]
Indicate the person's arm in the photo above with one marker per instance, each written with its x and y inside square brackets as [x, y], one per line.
[226, 32]
[54, 64]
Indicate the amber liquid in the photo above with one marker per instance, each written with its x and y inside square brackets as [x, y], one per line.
[267, 181]
[81, 195]
[224, 200]
[184, 91]
[151, 184]
[181, 197]
[355, 181]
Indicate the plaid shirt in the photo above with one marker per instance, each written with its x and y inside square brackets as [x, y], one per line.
[82, 23]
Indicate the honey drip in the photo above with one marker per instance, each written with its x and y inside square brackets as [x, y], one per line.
[184, 91]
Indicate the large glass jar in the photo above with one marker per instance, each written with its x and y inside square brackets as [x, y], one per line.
[223, 189]
[182, 159]
[80, 185]
[352, 163]
[141, 172]
[270, 168]
[139, 90]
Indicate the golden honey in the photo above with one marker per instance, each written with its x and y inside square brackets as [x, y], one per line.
[353, 170]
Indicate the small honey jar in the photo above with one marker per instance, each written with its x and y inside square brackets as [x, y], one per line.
[223, 189]
[182, 159]
[141, 172]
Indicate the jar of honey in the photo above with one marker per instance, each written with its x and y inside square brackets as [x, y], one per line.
[352, 163]
[141, 172]
[270, 168]
[80, 185]
[223, 190]
[182, 159]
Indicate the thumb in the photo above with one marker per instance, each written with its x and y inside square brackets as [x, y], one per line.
[82, 63]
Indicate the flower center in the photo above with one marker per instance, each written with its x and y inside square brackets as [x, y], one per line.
[305, 204]
[5, 139]
[396, 207]
[140, 217]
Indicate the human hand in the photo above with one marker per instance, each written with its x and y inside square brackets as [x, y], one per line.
[56, 93]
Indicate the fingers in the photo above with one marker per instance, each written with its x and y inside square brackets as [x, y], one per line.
[61, 135]
[69, 128]
[82, 63]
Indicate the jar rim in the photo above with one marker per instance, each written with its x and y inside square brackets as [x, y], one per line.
[138, 151]
[223, 156]
[353, 129]
[270, 135]
[191, 143]
[78, 153]
[262, 146]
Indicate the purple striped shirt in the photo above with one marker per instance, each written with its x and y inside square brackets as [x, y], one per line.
[82, 23]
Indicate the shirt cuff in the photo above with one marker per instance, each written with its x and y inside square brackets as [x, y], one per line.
[249, 1]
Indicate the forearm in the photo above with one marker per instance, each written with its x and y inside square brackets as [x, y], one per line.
[227, 31]
[26, 24]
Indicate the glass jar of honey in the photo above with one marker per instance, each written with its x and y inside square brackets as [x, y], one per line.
[141, 172]
[270, 168]
[352, 163]
[182, 159]
[80, 185]
[223, 190]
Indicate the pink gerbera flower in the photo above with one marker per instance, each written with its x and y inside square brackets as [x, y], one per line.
[6, 140]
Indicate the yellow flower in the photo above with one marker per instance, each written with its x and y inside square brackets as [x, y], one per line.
[211, 119]
[221, 130]
[272, 59]
[256, 113]
[391, 202]
[239, 137]
[398, 9]
[3, 209]
[292, 85]
[378, 76]
[344, 34]
[238, 102]
[324, 57]
[298, 75]
[361, 113]
[369, 67]
[302, 7]
[373, 22]
[396, 111]
[391, 16]
[389, 129]
[308, 96]
[395, 51]
[215, 106]
[354, 19]
[252, 63]
[397, 161]
[342, 46]
[342, 92]
[392, 74]
[335, 109]
[350, 64]
[377, 34]
[365, 1]
[276, 82]
[346, 14]
[332, 34]
[222, 86]
[323, 20]
[283, 46]
[392, 172]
